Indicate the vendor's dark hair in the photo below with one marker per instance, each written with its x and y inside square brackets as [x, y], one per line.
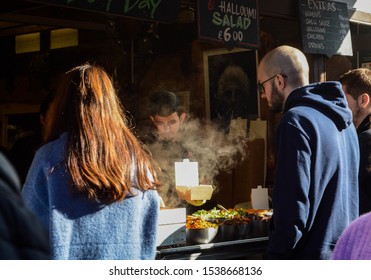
[165, 103]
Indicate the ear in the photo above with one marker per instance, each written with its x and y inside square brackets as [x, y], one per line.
[281, 82]
[182, 117]
[152, 119]
[363, 100]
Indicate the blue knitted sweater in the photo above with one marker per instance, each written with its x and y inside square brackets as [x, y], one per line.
[83, 229]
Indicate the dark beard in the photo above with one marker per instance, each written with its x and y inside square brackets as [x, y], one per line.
[277, 102]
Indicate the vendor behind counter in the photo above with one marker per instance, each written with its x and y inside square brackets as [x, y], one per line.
[174, 137]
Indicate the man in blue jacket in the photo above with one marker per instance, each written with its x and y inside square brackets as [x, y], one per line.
[315, 196]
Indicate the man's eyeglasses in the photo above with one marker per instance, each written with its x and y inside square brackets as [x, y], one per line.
[260, 86]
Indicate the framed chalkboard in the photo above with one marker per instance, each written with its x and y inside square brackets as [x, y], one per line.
[230, 85]
[325, 27]
[233, 22]
[155, 10]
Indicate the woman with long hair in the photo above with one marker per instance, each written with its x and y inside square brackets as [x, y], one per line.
[92, 183]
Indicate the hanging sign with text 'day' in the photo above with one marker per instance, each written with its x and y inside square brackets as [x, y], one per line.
[325, 27]
[232, 22]
[154, 10]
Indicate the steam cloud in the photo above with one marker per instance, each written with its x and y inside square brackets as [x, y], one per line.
[214, 151]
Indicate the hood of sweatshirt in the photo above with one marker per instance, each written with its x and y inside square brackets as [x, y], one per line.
[327, 97]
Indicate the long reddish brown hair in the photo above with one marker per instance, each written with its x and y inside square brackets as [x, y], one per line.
[103, 155]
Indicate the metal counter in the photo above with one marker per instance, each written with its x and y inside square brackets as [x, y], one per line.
[250, 248]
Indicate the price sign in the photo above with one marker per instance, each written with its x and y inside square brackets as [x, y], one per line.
[232, 22]
[325, 27]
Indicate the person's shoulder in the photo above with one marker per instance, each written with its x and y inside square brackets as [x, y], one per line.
[297, 114]
[22, 235]
[365, 134]
[54, 144]
[150, 194]
[358, 227]
[362, 221]
[53, 150]
[8, 174]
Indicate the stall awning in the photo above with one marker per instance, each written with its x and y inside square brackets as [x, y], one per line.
[359, 11]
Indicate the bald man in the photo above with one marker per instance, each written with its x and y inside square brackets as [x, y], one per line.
[315, 195]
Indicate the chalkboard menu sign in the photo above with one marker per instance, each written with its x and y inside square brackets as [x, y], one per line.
[325, 27]
[155, 10]
[232, 22]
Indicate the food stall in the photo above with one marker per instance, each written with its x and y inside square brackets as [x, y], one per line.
[216, 233]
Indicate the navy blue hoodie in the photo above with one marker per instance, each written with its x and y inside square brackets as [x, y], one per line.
[315, 196]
